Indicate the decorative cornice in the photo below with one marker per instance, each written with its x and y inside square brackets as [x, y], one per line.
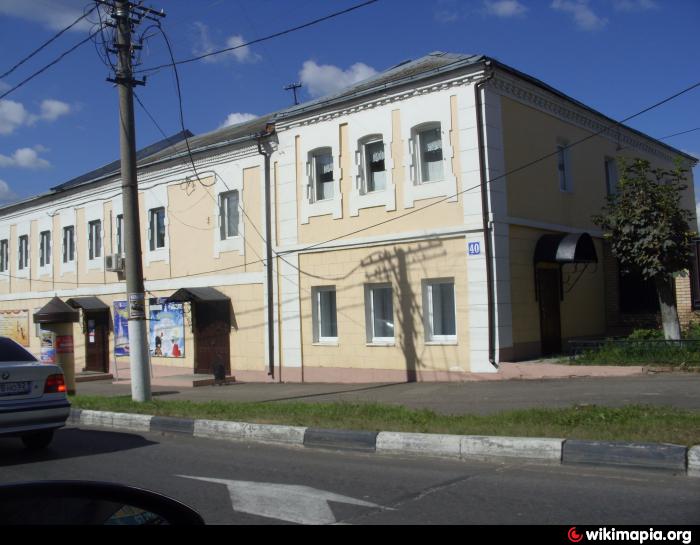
[566, 111]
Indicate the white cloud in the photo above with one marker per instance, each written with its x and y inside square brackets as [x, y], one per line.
[634, 5]
[5, 192]
[236, 118]
[324, 79]
[448, 11]
[584, 16]
[25, 158]
[54, 14]
[204, 44]
[504, 8]
[14, 115]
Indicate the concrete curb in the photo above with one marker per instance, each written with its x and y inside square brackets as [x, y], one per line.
[460, 447]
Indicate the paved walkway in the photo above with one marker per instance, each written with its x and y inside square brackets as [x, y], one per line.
[673, 389]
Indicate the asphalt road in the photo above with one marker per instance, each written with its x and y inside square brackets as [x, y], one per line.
[680, 390]
[271, 484]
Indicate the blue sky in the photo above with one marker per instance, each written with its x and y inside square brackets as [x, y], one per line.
[617, 56]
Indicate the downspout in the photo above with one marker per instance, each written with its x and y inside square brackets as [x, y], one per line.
[488, 249]
[265, 149]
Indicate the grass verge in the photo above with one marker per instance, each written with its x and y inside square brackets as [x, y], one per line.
[628, 423]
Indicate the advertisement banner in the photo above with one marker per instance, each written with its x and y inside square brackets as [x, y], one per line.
[48, 347]
[15, 325]
[166, 324]
[121, 328]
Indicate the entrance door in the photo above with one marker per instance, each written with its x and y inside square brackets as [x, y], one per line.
[548, 291]
[212, 323]
[97, 341]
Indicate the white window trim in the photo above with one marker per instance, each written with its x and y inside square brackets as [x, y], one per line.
[117, 210]
[430, 337]
[316, 315]
[94, 212]
[312, 139]
[68, 220]
[613, 161]
[151, 233]
[362, 125]
[156, 197]
[413, 119]
[23, 229]
[566, 177]
[47, 268]
[5, 235]
[229, 178]
[369, 315]
[219, 215]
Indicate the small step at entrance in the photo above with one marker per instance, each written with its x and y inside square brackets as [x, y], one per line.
[185, 380]
[89, 376]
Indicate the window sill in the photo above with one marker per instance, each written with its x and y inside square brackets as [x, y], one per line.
[325, 343]
[442, 343]
[381, 343]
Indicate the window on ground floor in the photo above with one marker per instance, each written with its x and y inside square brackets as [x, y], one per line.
[324, 312]
[439, 310]
[380, 313]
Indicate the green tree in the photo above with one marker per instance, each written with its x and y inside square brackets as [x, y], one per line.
[649, 230]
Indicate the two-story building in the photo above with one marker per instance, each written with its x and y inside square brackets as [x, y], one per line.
[428, 223]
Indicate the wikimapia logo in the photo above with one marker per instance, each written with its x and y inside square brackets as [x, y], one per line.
[637, 536]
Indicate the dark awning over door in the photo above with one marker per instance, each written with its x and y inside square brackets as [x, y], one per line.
[55, 312]
[88, 304]
[563, 248]
[198, 295]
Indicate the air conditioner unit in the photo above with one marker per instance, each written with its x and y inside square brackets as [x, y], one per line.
[114, 263]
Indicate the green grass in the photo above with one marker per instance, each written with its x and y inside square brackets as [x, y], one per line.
[641, 353]
[629, 423]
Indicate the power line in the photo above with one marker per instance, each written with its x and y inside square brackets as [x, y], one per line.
[679, 133]
[46, 43]
[55, 61]
[259, 40]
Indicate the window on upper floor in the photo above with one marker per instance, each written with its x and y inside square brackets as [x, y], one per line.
[95, 239]
[4, 255]
[324, 314]
[156, 228]
[439, 310]
[228, 214]
[611, 176]
[69, 244]
[427, 148]
[120, 234]
[372, 164]
[23, 252]
[321, 166]
[564, 167]
[44, 248]
[380, 313]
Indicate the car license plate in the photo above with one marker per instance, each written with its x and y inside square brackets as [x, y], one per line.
[15, 388]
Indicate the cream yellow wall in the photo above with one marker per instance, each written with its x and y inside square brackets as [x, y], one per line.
[445, 214]
[583, 307]
[404, 266]
[534, 192]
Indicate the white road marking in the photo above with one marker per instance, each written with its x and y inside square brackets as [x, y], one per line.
[291, 503]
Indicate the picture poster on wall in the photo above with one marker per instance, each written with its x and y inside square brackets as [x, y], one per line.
[15, 325]
[166, 323]
[121, 328]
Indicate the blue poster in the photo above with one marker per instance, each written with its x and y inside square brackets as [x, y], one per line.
[166, 325]
[121, 328]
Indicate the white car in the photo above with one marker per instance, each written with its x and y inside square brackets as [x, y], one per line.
[33, 401]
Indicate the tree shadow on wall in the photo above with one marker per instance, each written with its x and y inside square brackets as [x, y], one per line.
[392, 266]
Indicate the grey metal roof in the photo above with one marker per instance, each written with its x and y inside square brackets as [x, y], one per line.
[55, 312]
[198, 295]
[87, 303]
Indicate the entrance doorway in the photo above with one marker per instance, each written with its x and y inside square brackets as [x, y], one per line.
[549, 294]
[212, 330]
[96, 341]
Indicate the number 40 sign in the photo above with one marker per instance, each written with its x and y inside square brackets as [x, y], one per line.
[474, 248]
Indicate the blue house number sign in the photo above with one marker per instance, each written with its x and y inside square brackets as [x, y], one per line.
[474, 248]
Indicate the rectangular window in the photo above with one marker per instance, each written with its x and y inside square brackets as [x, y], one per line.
[45, 248]
[439, 301]
[375, 170]
[564, 167]
[325, 314]
[430, 150]
[322, 164]
[611, 176]
[68, 244]
[23, 254]
[95, 239]
[156, 228]
[4, 255]
[381, 313]
[228, 214]
[120, 234]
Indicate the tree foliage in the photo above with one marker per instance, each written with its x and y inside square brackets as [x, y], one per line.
[645, 223]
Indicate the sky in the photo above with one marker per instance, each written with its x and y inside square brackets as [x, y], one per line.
[617, 56]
